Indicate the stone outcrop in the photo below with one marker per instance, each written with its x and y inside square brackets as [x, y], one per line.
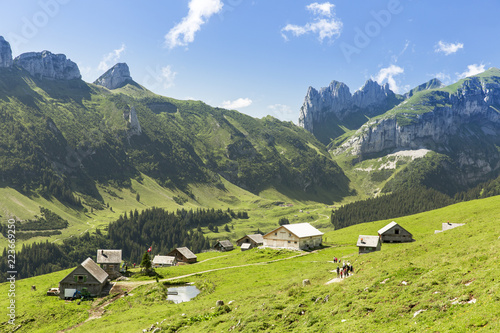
[46, 65]
[5, 53]
[115, 77]
[135, 126]
[337, 99]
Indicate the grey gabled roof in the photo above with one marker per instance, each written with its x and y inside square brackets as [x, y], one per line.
[388, 227]
[163, 260]
[226, 243]
[109, 256]
[368, 241]
[96, 271]
[257, 238]
[186, 253]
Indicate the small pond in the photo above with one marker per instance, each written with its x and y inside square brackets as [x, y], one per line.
[184, 293]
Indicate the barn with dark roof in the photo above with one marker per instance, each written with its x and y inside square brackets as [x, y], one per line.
[223, 245]
[250, 241]
[368, 244]
[110, 261]
[183, 254]
[86, 275]
[394, 233]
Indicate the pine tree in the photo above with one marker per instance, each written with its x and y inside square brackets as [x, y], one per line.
[146, 262]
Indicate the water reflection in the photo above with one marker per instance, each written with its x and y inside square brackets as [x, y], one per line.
[182, 294]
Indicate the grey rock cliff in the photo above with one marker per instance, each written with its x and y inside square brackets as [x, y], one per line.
[115, 77]
[337, 99]
[454, 119]
[5, 53]
[135, 126]
[46, 65]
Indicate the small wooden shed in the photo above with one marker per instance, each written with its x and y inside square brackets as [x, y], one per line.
[394, 233]
[163, 261]
[223, 245]
[183, 254]
[252, 241]
[86, 275]
[110, 261]
[368, 244]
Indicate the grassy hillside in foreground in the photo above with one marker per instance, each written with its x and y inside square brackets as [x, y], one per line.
[447, 282]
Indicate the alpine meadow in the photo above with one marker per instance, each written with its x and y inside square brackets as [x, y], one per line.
[293, 205]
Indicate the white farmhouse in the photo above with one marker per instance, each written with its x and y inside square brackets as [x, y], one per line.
[301, 236]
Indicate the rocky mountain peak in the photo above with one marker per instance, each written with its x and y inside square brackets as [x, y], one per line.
[46, 65]
[115, 77]
[371, 93]
[432, 84]
[5, 53]
[337, 99]
[334, 98]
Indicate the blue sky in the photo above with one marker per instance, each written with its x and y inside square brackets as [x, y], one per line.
[260, 56]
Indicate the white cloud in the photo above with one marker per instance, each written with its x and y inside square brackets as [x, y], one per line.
[111, 59]
[199, 13]
[236, 104]
[388, 74]
[448, 48]
[324, 9]
[471, 70]
[168, 76]
[329, 27]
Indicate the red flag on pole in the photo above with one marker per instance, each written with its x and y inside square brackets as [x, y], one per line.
[149, 250]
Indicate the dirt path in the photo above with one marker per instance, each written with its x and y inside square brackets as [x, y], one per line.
[337, 280]
[130, 285]
[97, 311]
[326, 217]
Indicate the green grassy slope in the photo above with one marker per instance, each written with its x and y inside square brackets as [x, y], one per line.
[263, 209]
[441, 282]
